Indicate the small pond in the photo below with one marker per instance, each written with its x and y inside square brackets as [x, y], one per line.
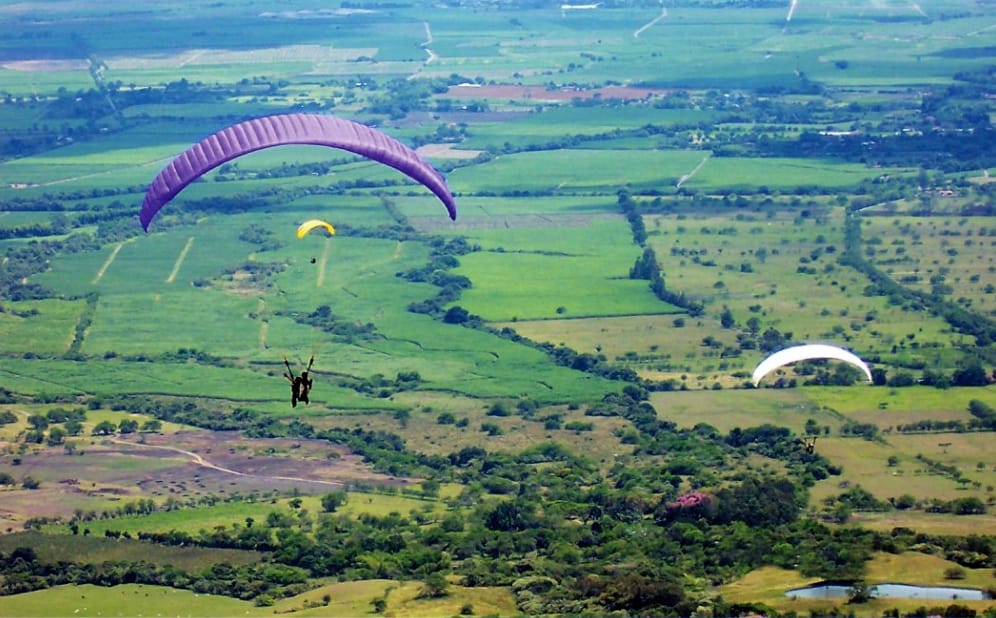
[894, 591]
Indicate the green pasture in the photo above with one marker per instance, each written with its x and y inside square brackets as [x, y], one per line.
[347, 599]
[589, 288]
[721, 261]
[127, 600]
[139, 312]
[134, 156]
[728, 409]
[38, 376]
[229, 514]
[92, 549]
[831, 407]
[915, 250]
[28, 82]
[558, 121]
[423, 432]
[188, 520]
[40, 326]
[781, 173]
[265, 388]
[890, 405]
[476, 212]
[129, 158]
[17, 117]
[613, 336]
[865, 463]
[382, 505]
[479, 364]
[585, 274]
[925, 522]
[354, 210]
[12, 219]
[571, 171]
[113, 33]
[405, 600]
[651, 345]
[207, 111]
[363, 287]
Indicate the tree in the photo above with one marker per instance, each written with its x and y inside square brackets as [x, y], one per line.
[905, 501]
[104, 428]
[435, 586]
[859, 592]
[128, 425]
[812, 427]
[56, 436]
[73, 427]
[333, 500]
[511, 516]
[456, 315]
[430, 487]
[491, 429]
[726, 319]
[970, 374]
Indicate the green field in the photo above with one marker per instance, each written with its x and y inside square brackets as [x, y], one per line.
[587, 282]
[95, 550]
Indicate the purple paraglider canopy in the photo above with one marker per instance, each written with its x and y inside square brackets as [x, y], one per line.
[285, 129]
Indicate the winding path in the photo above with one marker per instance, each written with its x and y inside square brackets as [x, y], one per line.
[650, 23]
[264, 325]
[791, 12]
[428, 42]
[323, 263]
[179, 260]
[693, 172]
[107, 262]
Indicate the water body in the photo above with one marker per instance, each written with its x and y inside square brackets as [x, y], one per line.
[893, 591]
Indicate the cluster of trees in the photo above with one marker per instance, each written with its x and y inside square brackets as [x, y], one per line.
[342, 330]
[967, 322]
[23, 572]
[564, 522]
[58, 422]
[444, 257]
[647, 266]
[263, 238]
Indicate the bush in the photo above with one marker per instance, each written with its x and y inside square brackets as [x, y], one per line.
[954, 573]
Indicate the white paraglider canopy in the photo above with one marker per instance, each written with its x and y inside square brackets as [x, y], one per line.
[807, 351]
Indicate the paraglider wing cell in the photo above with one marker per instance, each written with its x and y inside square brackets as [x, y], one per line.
[312, 224]
[280, 130]
[807, 352]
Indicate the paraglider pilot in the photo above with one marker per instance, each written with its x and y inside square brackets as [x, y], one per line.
[300, 385]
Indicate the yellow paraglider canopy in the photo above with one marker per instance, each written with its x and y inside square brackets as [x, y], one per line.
[311, 224]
